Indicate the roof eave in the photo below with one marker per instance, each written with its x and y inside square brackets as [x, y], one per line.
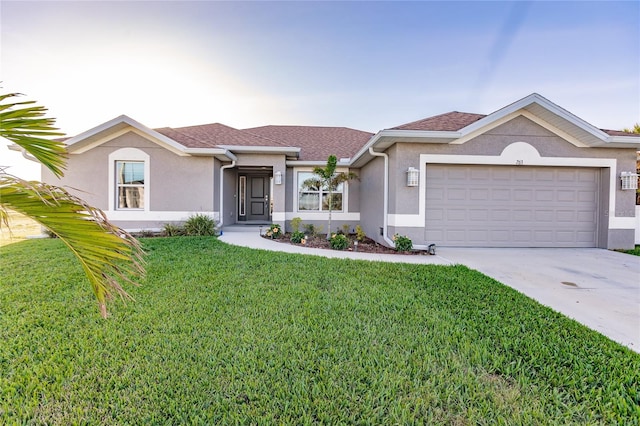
[220, 153]
[385, 138]
[289, 151]
[87, 138]
[620, 142]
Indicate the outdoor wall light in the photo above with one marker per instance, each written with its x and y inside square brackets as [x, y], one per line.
[629, 180]
[412, 176]
[277, 178]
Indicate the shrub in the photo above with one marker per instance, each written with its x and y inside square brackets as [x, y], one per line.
[274, 231]
[200, 224]
[295, 224]
[360, 235]
[402, 242]
[345, 228]
[310, 229]
[297, 237]
[338, 241]
[171, 230]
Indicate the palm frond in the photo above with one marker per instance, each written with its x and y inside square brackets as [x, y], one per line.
[107, 253]
[28, 127]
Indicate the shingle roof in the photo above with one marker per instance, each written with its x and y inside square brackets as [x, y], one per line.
[214, 135]
[449, 122]
[316, 143]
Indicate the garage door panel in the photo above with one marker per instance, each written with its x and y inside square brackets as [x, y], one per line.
[544, 195]
[457, 194]
[566, 216]
[479, 194]
[478, 215]
[456, 215]
[504, 206]
[566, 195]
[585, 236]
[521, 216]
[586, 197]
[521, 236]
[500, 215]
[500, 195]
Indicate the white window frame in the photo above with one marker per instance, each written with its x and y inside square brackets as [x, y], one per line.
[128, 155]
[296, 192]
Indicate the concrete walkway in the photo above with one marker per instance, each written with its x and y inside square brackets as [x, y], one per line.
[598, 288]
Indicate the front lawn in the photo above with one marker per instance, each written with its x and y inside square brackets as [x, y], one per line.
[635, 251]
[228, 335]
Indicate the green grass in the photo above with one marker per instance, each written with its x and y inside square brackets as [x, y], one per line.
[228, 335]
[635, 251]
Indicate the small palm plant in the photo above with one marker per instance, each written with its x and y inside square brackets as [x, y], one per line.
[329, 180]
[107, 253]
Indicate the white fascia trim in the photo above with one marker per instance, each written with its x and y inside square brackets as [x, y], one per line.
[335, 216]
[210, 152]
[516, 154]
[312, 164]
[263, 149]
[622, 142]
[424, 135]
[365, 149]
[155, 216]
[135, 126]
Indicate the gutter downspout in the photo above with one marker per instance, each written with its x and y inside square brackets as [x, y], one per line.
[385, 194]
[222, 169]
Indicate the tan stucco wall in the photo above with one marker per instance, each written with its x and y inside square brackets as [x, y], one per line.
[177, 183]
[492, 143]
[404, 200]
[372, 201]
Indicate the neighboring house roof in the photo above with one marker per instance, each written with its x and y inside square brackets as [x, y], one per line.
[451, 122]
[316, 143]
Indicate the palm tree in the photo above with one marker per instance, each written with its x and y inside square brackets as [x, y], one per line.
[107, 253]
[328, 180]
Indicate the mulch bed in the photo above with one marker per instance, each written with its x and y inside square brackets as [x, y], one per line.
[365, 246]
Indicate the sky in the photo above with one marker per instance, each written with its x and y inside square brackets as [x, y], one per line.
[365, 65]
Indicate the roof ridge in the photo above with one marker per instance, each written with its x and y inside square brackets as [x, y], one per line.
[306, 126]
[183, 135]
[436, 117]
[263, 137]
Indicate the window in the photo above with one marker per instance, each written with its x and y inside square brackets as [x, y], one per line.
[130, 184]
[310, 193]
[243, 196]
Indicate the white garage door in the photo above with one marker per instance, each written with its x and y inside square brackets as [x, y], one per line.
[506, 206]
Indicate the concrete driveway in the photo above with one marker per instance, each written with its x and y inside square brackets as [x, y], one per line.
[598, 288]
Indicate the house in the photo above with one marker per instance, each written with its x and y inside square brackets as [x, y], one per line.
[528, 175]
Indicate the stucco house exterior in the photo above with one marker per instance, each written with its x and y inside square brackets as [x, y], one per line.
[528, 175]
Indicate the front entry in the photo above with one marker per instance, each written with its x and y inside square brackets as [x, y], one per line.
[258, 198]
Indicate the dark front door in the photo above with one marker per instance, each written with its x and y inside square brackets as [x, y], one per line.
[258, 197]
